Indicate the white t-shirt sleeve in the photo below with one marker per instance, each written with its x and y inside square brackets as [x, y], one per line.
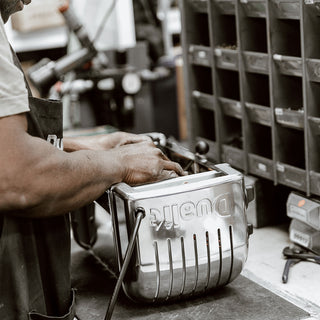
[13, 92]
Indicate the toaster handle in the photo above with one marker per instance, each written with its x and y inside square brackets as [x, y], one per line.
[139, 214]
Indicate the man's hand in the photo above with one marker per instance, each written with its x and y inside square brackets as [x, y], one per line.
[103, 141]
[142, 162]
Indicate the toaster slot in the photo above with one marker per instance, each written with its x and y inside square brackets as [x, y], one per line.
[196, 263]
[231, 253]
[184, 269]
[209, 260]
[156, 254]
[170, 268]
[220, 257]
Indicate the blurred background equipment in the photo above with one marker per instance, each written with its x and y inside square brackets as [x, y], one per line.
[107, 77]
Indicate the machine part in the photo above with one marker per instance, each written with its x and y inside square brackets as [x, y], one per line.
[294, 255]
[46, 73]
[131, 83]
[106, 84]
[304, 236]
[304, 209]
[76, 27]
[194, 237]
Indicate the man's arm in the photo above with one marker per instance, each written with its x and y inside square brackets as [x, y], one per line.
[102, 141]
[38, 180]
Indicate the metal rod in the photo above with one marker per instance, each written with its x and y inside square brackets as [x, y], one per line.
[140, 214]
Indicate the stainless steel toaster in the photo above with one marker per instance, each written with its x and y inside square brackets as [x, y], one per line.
[193, 238]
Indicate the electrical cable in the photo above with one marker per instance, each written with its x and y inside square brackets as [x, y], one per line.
[104, 21]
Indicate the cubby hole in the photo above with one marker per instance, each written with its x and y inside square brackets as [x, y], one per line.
[225, 31]
[206, 126]
[257, 89]
[197, 28]
[314, 155]
[202, 79]
[290, 148]
[254, 35]
[285, 37]
[228, 84]
[312, 32]
[288, 92]
[259, 140]
[314, 99]
[231, 130]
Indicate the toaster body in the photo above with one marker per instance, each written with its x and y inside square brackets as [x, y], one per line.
[193, 238]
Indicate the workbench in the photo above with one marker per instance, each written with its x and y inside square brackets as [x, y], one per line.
[242, 299]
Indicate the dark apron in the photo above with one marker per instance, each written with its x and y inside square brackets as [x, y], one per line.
[35, 253]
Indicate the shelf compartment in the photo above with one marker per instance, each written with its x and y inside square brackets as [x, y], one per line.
[226, 6]
[260, 166]
[254, 8]
[228, 84]
[199, 5]
[197, 28]
[285, 37]
[315, 182]
[200, 55]
[290, 118]
[314, 123]
[233, 156]
[291, 176]
[287, 9]
[204, 124]
[258, 139]
[253, 34]
[291, 66]
[290, 147]
[314, 5]
[224, 28]
[256, 62]
[226, 58]
[203, 100]
[259, 114]
[288, 92]
[231, 107]
[202, 79]
[256, 88]
[313, 69]
[213, 153]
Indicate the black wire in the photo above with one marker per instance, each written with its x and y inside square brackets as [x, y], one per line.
[104, 21]
[149, 14]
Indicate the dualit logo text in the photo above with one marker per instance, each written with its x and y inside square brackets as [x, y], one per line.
[171, 216]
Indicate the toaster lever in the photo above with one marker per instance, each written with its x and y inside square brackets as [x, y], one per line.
[140, 214]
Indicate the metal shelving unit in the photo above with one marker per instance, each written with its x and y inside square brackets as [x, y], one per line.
[252, 78]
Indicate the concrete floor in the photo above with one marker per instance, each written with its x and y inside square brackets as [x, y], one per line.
[265, 266]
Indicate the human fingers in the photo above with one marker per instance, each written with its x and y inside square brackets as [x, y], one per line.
[168, 174]
[174, 167]
[130, 138]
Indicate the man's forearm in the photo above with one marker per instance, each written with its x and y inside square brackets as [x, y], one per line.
[42, 180]
[37, 179]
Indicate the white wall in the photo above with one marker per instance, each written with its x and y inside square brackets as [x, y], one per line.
[119, 31]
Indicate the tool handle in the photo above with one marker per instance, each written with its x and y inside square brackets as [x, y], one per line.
[285, 274]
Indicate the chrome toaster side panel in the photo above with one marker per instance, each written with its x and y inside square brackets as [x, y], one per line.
[193, 238]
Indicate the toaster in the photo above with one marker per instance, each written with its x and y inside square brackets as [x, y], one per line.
[193, 236]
